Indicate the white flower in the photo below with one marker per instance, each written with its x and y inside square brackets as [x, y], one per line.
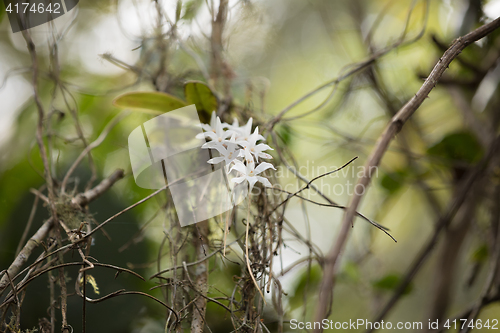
[244, 131]
[209, 128]
[245, 153]
[229, 151]
[216, 134]
[249, 173]
[256, 149]
[235, 126]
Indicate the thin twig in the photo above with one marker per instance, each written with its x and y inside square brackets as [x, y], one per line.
[91, 146]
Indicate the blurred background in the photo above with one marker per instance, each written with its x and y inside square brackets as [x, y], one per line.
[275, 52]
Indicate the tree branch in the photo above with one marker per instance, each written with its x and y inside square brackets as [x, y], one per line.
[81, 199]
[84, 198]
[32, 243]
[200, 240]
[394, 126]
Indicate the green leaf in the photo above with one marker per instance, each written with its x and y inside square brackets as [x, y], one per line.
[393, 181]
[201, 95]
[151, 102]
[178, 9]
[458, 147]
[390, 282]
[480, 254]
[191, 9]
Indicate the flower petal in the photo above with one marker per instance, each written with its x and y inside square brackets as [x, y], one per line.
[251, 182]
[213, 121]
[216, 145]
[243, 143]
[262, 167]
[218, 128]
[248, 157]
[238, 180]
[206, 127]
[227, 134]
[235, 123]
[246, 130]
[264, 181]
[211, 135]
[240, 167]
[200, 136]
[264, 155]
[262, 146]
[216, 160]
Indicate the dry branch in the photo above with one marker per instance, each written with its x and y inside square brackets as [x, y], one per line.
[21, 258]
[200, 235]
[42, 232]
[394, 126]
[83, 199]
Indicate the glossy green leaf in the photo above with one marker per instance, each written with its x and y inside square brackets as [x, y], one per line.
[151, 102]
[457, 147]
[390, 282]
[201, 95]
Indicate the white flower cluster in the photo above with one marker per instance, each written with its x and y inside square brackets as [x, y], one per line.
[237, 146]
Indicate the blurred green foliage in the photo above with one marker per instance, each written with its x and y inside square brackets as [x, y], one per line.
[393, 181]
[480, 254]
[307, 282]
[191, 8]
[458, 147]
[389, 283]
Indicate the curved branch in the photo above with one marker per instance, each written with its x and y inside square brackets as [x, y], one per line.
[394, 126]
